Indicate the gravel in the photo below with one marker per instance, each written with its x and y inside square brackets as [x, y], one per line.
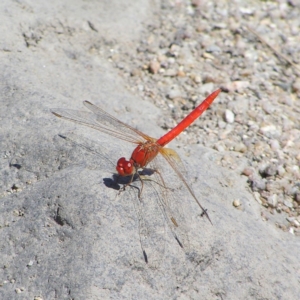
[196, 47]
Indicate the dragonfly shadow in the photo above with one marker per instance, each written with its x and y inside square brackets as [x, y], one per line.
[110, 183]
[116, 181]
[146, 172]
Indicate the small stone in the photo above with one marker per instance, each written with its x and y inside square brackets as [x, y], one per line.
[181, 73]
[196, 78]
[272, 200]
[208, 79]
[30, 263]
[221, 124]
[197, 3]
[286, 100]
[140, 87]
[240, 147]
[288, 203]
[294, 170]
[206, 88]
[291, 219]
[257, 197]
[136, 72]
[270, 170]
[258, 184]
[174, 93]
[235, 86]
[281, 170]
[170, 72]
[296, 85]
[264, 217]
[275, 145]
[229, 116]
[253, 126]
[236, 203]
[268, 128]
[296, 223]
[268, 108]
[154, 66]
[213, 49]
[248, 171]
[208, 56]
[219, 147]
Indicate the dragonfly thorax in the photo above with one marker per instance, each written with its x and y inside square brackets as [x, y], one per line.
[144, 153]
[140, 157]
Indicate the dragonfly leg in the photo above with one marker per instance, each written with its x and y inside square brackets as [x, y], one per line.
[147, 178]
[142, 185]
[126, 184]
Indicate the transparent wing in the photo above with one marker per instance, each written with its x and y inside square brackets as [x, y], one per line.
[175, 162]
[169, 198]
[151, 223]
[102, 121]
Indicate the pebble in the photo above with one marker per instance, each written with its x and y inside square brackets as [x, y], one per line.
[275, 145]
[196, 78]
[19, 290]
[256, 115]
[206, 88]
[267, 128]
[30, 263]
[219, 147]
[270, 170]
[136, 72]
[268, 108]
[258, 184]
[174, 92]
[229, 116]
[213, 49]
[296, 85]
[154, 66]
[257, 197]
[235, 86]
[272, 200]
[236, 203]
[221, 124]
[288, 203]
[280, 170]
[170, 72]
[248, 171]
[240, 147]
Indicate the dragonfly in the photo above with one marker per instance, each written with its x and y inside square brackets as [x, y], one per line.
[147, 147]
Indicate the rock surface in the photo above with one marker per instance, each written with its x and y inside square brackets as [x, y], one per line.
[66, 231]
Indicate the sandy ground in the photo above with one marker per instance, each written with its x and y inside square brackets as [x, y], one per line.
[66, 230]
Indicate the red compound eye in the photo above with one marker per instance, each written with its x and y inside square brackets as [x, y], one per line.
[124, 167]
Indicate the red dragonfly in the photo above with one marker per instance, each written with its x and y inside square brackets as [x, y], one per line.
[147, 147]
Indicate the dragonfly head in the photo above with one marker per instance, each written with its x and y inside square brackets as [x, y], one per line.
[125, 167]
